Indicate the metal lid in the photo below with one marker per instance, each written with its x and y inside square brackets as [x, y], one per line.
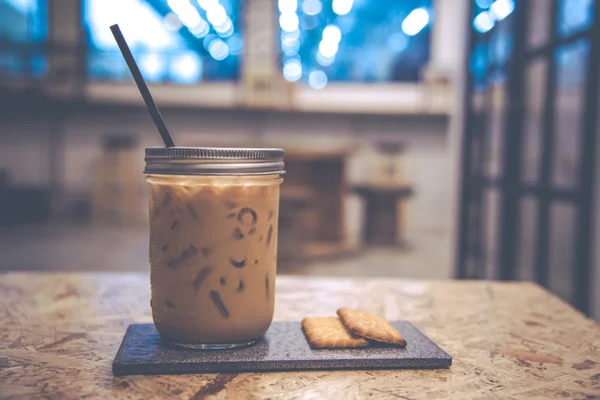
[213, 161]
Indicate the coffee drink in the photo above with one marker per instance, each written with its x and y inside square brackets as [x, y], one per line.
[213, 253]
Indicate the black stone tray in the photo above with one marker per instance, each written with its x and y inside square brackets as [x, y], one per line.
[284, 348]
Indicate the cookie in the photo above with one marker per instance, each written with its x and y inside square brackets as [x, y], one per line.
[369, 326]
[330, 333]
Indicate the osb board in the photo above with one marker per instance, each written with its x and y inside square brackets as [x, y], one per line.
[60, 333]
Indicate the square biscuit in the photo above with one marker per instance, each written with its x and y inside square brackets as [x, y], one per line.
[329, 333]
[369, 326]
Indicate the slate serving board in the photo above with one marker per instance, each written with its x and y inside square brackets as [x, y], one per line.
[284, 348]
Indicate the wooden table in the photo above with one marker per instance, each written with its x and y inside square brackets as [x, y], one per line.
[60, 333]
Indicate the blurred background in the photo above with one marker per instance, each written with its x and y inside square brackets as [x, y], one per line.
[424, 138]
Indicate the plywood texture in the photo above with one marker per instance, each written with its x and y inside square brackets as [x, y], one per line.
[60, 333]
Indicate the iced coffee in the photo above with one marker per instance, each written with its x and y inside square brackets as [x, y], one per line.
[213, 252]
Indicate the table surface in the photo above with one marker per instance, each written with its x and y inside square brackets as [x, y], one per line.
[60, 333]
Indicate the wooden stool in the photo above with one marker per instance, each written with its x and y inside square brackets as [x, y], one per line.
[394, 168]
[117, 190]
[385, 195]
[296, 217]
[384, 213]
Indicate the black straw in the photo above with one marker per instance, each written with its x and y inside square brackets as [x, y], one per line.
[141, 84]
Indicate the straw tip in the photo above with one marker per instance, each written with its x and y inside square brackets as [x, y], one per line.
[114, 26]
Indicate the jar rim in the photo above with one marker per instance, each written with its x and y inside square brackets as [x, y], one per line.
[215, 161]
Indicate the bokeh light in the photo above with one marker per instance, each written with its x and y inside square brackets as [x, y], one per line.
[483, 22]
[290, 46]
[332, 33]
[208, 39]
[501, 9]
[216, 15]
[218, 49]
[317, 79]
[288, 6]
[200, 30]
[153, 67]
[325, 61]
[398, 42]
[236, 44]
[288, 22]
[186, 68]
[312, 7]
[357, 40]
[415, 21]
[172, 22]
[225, 29]
[484, 3]
[342, 7]
[292, 70]
[327, 48]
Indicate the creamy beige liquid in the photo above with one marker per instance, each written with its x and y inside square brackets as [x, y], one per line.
[213, 251]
